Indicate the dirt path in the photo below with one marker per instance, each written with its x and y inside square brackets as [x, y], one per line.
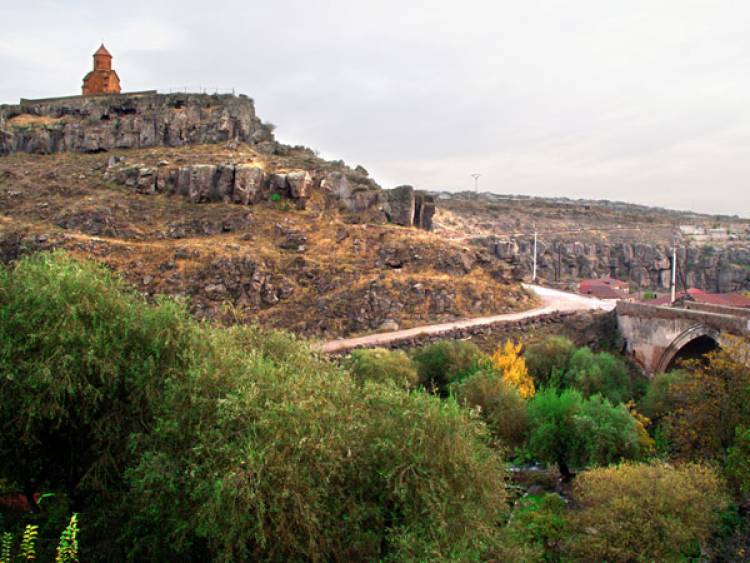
[553, 301]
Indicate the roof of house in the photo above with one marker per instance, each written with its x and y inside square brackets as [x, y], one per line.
[700, 296]
[606, 281]
[102, 50]
[602, 291]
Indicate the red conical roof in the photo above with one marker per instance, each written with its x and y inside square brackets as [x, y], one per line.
[102, 50]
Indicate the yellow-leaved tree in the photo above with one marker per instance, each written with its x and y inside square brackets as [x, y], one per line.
[508, 360]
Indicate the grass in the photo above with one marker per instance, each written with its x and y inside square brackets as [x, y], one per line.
[30, 120]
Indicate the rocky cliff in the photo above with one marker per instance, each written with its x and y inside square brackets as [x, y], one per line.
[580, 239]
[92, 124]
[100, 123]
[646, 266]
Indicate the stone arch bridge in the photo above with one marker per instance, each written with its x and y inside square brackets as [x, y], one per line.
[658, 337]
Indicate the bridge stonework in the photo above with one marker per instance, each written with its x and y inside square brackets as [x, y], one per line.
[655, 335]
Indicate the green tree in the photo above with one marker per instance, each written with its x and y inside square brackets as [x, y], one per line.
[287, 458]
[380, 365]
[738, 461]
[600, 373]
[81, 361]
[659, 400]
[182, 441]
[570, 431]
[548, 359]
[445, 362]
[500, 405]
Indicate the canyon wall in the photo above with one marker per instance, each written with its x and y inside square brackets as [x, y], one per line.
[721, 268]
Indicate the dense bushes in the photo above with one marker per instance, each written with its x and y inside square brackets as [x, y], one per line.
[600, 373]
[500, 405]
[381, 366]
[324, 468]
[699, 410]
[82, 361]
[177, 440]
[215, 444]
[659, 400]
[556, 362]
[642, 512]
[548, 360]
[446, 362]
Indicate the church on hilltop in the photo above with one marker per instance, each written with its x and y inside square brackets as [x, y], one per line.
[103, 79]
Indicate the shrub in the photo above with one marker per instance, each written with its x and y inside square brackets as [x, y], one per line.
[710, 403]
[570, 431]
[508, 360]
[548, 359]
[600, 373]
[645, 512]
[381, 366]
[185, 442]
[81, 361]
[658, 400]
[445, 362]
[501, 407]
[539, 522]
[608, 433]
[738, 461]
[286, 458]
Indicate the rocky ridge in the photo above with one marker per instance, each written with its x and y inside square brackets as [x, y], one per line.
[127, 121]
[249, 184]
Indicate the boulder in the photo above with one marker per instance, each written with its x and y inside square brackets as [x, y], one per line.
[278, 185]
[399, 205]
[248, 184]
[300, 184]
[146, 182]
[202, 183]
[166, 180]
[224, 183]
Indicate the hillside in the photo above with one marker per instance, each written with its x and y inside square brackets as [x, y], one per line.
[308, 245]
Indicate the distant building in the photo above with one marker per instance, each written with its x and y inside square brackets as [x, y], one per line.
[103, 79]
[700, 296]
[605, 288]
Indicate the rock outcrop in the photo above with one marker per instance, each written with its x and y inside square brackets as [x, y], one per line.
[402, 205]
[248, 184]
[646, 266]
[101, 123]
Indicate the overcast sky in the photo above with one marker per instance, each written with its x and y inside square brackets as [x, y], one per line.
[639, 100]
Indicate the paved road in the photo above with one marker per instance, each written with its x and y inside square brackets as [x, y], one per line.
[553, 301]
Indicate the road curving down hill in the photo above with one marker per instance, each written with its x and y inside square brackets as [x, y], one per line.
[554, 301]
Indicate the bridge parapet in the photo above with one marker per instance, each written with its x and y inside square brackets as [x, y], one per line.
[722, 309]
[655, 335]
[720, 321]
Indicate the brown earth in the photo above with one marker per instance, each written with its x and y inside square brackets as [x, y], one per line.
[317, 271]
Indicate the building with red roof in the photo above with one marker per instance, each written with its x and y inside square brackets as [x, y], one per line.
[700, 296]
[604, 288]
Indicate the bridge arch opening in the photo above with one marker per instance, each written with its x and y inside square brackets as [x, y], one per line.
[693, 344]
[696, 349]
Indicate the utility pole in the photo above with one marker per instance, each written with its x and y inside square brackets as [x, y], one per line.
[476, 183]
[674, 273]
[533, 275]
